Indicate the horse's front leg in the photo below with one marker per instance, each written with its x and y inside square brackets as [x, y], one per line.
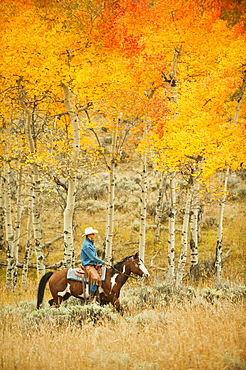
[110, 298]
[116, 304]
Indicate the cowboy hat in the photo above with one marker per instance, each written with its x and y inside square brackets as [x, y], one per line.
[90, 230]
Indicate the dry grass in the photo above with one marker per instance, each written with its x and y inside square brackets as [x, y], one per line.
[183, 334]
[180, 338]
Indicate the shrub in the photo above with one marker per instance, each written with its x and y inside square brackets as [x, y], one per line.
[209, 222]
[72, 315]
[91, 206]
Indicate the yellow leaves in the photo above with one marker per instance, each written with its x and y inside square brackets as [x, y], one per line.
[117, 60]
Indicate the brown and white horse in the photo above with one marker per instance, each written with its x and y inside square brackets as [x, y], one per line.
[61, 288]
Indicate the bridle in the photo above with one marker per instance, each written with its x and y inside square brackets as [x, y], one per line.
[137, 277]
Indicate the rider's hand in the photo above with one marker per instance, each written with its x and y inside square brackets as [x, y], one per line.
[106, 264]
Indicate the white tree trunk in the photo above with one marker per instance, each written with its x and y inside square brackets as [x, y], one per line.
[1, 212]
[72, 183]
[218, 258]
[28, 243]
[171, 230]
[111, 196]
[159, 207]
[36, 220]
[143, 204]
[194, 233]
[172, 214]
[17, 225]
[184, 239]
[68, 224]
[9, 229]
[110, 215]
[36, 216]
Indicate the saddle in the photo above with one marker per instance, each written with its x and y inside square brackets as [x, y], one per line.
[81, 273]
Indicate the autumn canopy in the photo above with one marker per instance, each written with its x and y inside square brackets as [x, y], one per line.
[178, 64]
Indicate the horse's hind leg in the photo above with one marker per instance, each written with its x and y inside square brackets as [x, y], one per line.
[62, 298]
[51, 302]
[54, 302]
[63, 295]
[59, 301]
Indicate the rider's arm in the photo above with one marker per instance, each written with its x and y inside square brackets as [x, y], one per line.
[92, 255]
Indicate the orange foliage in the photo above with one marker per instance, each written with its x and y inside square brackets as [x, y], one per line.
[175, 64]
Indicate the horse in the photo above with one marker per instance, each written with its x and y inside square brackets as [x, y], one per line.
[61, 288]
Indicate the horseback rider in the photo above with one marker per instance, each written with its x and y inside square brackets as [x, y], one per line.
[90, 260]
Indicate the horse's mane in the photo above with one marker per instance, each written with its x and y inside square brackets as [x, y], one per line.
[118, 265]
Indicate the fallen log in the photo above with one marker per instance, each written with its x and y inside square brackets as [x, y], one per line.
[31, 265]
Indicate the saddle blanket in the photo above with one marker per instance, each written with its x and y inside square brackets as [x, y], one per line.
[72, 276]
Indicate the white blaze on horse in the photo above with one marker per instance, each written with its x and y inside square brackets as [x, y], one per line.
[62, 288]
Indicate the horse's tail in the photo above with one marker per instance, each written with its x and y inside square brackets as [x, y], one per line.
[41, 287]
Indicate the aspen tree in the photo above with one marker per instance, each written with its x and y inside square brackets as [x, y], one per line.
[1, 211]
[219, 247]
[143, 202]
[111, 195]
[17, 224]
[36, 215]
[110, 215]
[110, 161]
[72, 182]
[171, 230]
[184, 239]
[11, 263]
[194, 232]
[172, 212]
[160, 206]
[27, 253]
[218, 258]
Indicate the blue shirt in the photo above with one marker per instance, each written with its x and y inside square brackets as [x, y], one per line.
[88, 254]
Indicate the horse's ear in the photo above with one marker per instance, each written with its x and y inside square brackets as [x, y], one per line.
[136, 256]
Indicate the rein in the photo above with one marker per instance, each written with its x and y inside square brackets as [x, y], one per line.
[123, 273]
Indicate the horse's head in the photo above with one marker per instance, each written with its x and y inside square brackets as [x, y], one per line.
[137, 266]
